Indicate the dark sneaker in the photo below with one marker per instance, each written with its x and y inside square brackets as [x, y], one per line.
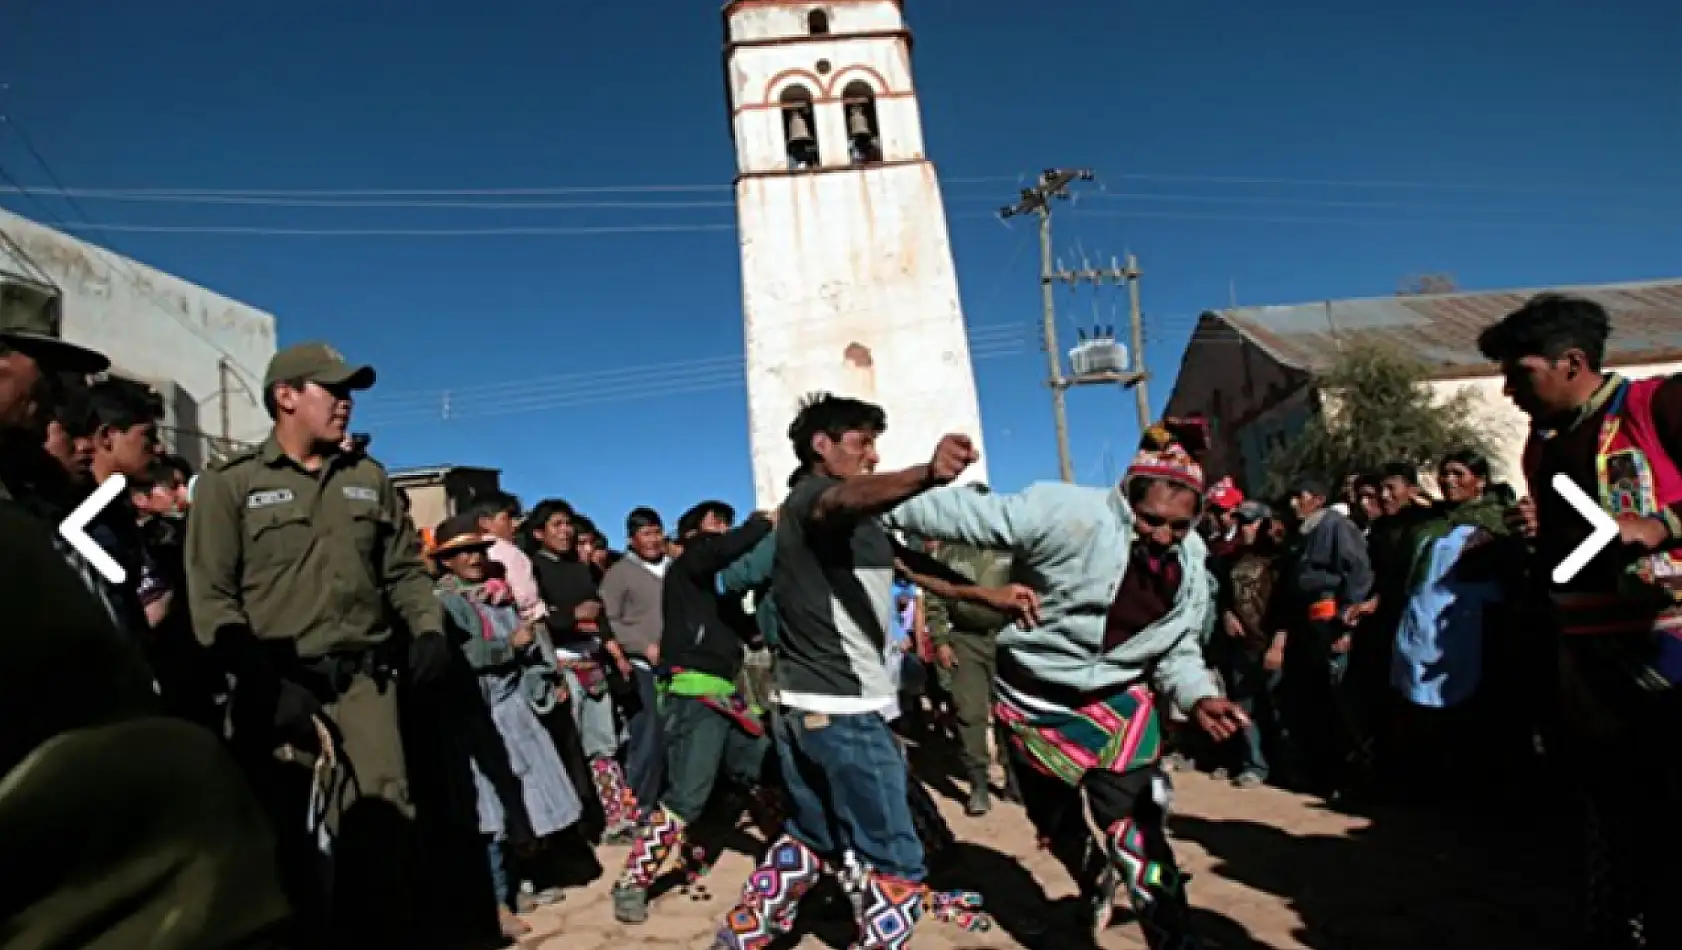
[630, 905]
[1103, 899]
[1012, 792]
[980, 802]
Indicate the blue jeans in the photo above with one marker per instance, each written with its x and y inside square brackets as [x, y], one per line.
[645, 762]
[500, 880]
[597, 730]
[1252, 687]
[701, 743]
[846, 776]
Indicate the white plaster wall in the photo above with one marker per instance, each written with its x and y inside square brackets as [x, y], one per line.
[830, 260]
[156, 328]
[1508, 426]
[759, 75]
[843, 257]
[776, 19]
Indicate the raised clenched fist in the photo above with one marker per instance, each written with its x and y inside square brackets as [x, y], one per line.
[954, 454]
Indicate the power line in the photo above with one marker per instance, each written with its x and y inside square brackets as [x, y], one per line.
[1585, 188]
[219, 200]
[514, 231]
[1400, 185]
[538, 191]
[978, 336]
[628, 390]
[1566, 222]
[16, 250]
[117, 261]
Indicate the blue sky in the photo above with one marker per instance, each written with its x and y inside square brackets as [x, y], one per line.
[1281, 152]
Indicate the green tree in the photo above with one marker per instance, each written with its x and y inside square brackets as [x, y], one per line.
[1375, 407]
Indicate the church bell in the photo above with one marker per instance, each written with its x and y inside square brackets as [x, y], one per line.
[799, 132]
[858, 124]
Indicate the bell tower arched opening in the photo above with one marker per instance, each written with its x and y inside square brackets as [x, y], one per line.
[864, 130]
[817, 23]
[800, 128]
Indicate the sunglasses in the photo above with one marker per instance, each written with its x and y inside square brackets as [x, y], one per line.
[1152, 521]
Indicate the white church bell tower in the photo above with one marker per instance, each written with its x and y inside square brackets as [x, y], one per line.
[847, 276]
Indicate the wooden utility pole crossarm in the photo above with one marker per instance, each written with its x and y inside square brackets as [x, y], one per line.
[1053, 185]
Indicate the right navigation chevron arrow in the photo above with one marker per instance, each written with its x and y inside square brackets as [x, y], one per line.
[1605, 529]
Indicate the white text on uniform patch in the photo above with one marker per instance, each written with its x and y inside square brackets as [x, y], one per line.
[358, 493]
[268, 499]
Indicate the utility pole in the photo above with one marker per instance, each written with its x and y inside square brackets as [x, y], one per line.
[224, 386]
[1053, 185]
[1136, 320]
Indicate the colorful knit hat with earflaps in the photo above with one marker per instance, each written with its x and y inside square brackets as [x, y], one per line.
[1168, 450]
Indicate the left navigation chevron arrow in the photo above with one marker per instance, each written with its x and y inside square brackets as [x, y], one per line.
[75, 529]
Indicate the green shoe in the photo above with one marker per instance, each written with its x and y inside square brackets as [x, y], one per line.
[630, 905]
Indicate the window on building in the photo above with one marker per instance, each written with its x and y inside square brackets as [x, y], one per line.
[800, 128]
[864, 134]
[817, 23]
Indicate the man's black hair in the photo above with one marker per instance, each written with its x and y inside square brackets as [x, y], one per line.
[1547, 326]
[582, 526]
[493, 503]
[640, 518]
[70, 404]
[1406, 471]
[1368, 480]
[178, 465]
[121, 405]
[159, 474]
[691, 520]
[1311, 484]
[537, 519]
[269, 404]
[834, 416]
[1474, 461]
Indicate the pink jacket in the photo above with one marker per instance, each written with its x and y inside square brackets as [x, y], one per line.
[517, 570]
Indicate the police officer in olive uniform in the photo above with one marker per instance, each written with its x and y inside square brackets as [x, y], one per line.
[299, 560]
[128, 828]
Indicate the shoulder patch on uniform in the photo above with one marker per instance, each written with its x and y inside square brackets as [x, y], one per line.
[268, 499]
[232, 460]
[360, 493]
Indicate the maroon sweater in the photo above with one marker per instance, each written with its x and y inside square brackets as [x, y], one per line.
[1145, 595]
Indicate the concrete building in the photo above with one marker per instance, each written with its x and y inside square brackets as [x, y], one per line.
[848, 283]
[201, 352]
[1251, 370]
[437, 492]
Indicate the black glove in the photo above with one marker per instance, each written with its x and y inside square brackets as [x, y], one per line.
[430, 657]
[522, 840]
[295, 713]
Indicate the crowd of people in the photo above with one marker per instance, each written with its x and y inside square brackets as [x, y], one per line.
[305, 721]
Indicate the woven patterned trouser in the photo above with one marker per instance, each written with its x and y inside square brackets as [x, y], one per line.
[1143, 862]
[770, 897]
[658, 837]
[619, 803]
[888, 910]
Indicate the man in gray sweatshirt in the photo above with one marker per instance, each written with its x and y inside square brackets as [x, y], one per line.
[631, 592]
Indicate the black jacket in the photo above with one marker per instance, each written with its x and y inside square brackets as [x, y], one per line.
[695, 634]
[565, 583]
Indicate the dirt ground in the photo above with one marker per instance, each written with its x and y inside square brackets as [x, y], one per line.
[1270, 869]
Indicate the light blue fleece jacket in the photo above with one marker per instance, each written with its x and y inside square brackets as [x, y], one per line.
[1072, 544]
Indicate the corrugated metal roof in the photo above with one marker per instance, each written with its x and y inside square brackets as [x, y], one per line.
[1443, 328]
